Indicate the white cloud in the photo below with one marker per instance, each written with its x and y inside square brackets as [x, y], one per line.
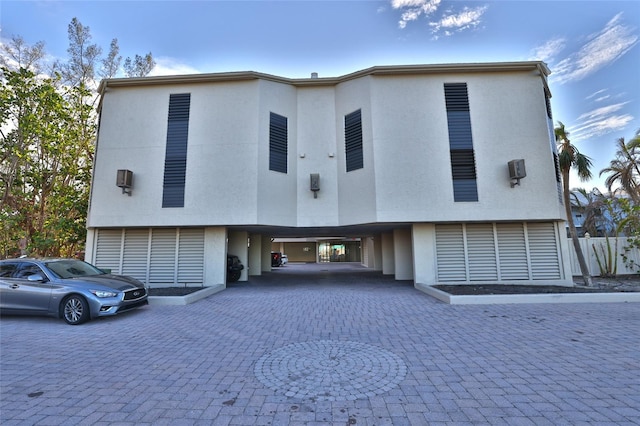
[449, 22]
[549, 50]
[466, 19]
[602, 49]
[413, 9]
[171, 66]
[601, 121]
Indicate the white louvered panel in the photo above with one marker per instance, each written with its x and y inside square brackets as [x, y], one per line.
[450, 253]
[481, 252]
[543, 251]
[512, 252]
[191, 257]
[108, 246]
[136, 248]
[163, 256]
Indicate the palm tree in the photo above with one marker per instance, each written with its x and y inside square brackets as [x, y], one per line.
[570, 158]
[625, 168]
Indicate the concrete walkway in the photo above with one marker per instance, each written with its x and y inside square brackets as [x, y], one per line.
[343, 346]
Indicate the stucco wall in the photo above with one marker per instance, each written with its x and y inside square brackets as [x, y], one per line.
[406, 175]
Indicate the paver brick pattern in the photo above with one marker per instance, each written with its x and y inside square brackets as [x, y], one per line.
[204, 363]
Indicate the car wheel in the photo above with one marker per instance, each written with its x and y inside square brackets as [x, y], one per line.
[75, 310]
[233, 276]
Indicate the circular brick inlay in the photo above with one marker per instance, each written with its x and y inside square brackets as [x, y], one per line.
[329, 370]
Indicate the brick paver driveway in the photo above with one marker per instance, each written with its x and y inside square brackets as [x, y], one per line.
[332, 348]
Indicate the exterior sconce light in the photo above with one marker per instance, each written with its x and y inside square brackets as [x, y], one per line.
[124, 180]
[315, 184]
[516, 171]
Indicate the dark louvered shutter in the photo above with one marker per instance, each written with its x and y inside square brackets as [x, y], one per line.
[175, 162]
[463, 165]
[278, 143]
[353, 140]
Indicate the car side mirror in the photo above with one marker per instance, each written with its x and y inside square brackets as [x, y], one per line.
[35, 277]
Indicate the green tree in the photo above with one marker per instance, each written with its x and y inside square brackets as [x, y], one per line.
[44, 172]
[624, 169]
[47, 133]
[630, 226]
[570, 158]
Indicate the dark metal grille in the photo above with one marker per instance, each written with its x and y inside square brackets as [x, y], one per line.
[463, 165]
[353, 140]
[278, 143]
[175, 163]
[134, 294]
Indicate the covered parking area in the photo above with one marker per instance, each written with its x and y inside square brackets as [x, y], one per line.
[385, 248]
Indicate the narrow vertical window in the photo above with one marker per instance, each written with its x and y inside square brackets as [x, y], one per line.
[463, 163]
[278, 143]
[353, 140]
[175, 160]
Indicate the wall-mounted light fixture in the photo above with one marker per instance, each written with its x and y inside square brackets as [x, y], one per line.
[315, 184]
[516, 171]
[124, 180]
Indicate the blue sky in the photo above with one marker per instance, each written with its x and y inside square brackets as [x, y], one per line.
[591, 47]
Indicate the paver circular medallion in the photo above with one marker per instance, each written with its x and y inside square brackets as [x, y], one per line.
[329, 370]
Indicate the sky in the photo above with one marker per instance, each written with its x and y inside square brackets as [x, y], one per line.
[591, 47]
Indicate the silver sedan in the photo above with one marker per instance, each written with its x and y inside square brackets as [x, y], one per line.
[66, 288]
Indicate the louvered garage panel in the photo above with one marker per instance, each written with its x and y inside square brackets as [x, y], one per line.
[543, 251]
[191, 257]
[481, 252]
[108, 246]
[450, 253]
[163, 256]
[136, 249]
[512, 251]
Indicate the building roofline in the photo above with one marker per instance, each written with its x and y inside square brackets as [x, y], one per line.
[326, 81]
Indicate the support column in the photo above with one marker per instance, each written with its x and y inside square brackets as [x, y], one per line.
[424, 256]
[388, 262]
[255, 255]
[403, 254]
[238, 245]
[90, 245]
[215, 256]
[266, 253]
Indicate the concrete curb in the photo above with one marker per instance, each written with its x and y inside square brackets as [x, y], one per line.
[496, 299]
[185, 300]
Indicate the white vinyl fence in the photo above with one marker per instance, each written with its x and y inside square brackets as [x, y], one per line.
[600, 244]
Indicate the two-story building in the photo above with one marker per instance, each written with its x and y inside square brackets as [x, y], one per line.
[444, 173]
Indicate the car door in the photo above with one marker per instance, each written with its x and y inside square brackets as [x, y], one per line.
[21, 294]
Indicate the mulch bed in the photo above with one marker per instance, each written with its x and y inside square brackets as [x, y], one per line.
[473, 290]
[173, 291]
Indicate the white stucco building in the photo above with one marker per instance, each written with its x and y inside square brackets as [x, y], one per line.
[412, 160]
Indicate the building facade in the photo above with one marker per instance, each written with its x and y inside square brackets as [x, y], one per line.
[444, 173]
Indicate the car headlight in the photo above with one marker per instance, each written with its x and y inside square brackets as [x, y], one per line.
[104, 293]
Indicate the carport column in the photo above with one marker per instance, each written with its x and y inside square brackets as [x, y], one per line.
[89, 245]
[255, 254]
[266, 253]
[377, 252]
[238, 245]
[565, 252]
[424, 256]
[215, 256]
[388, 262]
[403, 254]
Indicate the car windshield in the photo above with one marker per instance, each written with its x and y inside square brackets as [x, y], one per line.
[70, 268]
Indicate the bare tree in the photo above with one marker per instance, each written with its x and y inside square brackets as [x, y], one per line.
[17, 54]
[140, 66]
